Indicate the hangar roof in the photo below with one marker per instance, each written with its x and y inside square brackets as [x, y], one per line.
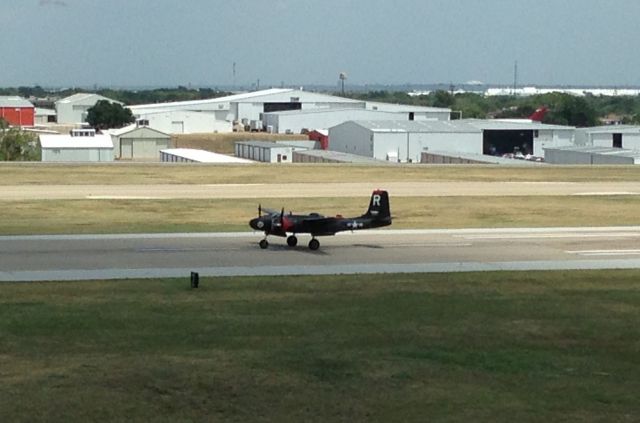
[491, 124]
[608, 151]
[14, 101]
[203, 156]
[85, 98]
[417, 126]
[264, 144]
[611, 129]
[134, 127]
[67, 141]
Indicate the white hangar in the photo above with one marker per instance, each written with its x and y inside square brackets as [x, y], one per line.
[252, 106]
[184, 122]
[73, 109]
[135, 142]
[406, 140]
[612, 136]
[295, 121]
[403, 141]
[81, 145]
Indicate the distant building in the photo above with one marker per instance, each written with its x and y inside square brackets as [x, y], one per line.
[44, 116]
[136, 142]
[189, 155]
[184, 122]
[295, 121]
[574, 155]
[249, 109]
[17, 111]
[81, 145]
[405, 141]
[612, 136]
[73, 109]
[265, 151]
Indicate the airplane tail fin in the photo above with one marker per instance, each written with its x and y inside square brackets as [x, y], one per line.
[539, 114]
[379, 206]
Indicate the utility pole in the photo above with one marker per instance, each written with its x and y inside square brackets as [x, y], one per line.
[515, 79]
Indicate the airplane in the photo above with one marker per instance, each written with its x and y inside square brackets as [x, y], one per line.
[280, 224]
[537, 116]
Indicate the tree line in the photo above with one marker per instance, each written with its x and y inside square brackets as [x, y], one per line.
[564, 109]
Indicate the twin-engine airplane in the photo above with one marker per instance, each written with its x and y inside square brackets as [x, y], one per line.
[280, 224]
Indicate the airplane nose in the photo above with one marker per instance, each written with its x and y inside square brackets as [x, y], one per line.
[258, 224]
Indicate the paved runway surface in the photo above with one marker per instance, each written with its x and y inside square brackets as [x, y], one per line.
[306, 190]
[80, 257]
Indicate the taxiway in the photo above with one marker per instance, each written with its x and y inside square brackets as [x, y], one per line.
[90, 257]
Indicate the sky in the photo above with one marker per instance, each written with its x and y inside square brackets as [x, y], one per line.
[127, 43]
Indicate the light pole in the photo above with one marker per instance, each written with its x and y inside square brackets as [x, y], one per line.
[343, 77]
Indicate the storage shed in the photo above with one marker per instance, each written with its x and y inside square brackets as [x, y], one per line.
[265, 151]
[591, 156]
[190, 155]
[135, 142]
[79, 146]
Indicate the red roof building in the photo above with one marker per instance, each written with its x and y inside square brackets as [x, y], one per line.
[17, 111]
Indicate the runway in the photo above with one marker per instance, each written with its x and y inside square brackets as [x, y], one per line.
[90, 257]
[313, 190]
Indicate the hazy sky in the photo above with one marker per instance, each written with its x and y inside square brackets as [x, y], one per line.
[298, 42]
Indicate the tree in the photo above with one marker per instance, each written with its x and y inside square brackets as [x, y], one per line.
[17, 145]
[106, 114]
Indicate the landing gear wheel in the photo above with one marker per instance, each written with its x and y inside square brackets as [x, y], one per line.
[314, 244]
[264, 244]
[292, 241]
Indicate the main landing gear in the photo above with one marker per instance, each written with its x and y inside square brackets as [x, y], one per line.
[292, 241]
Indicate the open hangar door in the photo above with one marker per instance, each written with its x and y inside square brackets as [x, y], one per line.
[500, 142]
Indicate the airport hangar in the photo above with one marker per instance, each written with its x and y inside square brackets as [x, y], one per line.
[73, 109]
[297, 121]
[251, 107]
[405, 141]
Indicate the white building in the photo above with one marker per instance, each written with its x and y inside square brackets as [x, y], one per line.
[591, 156]
[613, 136]
[251, 107]
[184, 122]
[79, 146]
[405, 141]
[190, 155]
[265, 151]
[135, 142]
[295, 121]
[73, 109]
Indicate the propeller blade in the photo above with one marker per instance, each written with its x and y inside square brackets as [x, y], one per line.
[259, 210]
[282, 216]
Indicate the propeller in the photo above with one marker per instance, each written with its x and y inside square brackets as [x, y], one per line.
[282, 217]
[259, 210]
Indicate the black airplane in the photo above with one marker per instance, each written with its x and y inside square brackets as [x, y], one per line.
[280, 224]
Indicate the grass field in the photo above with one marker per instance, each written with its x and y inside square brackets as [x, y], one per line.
[224, 143]
[131, 173]
[498, 347]
[141, 216]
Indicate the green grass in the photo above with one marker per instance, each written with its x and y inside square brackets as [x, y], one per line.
[499, 347]
[134, 173]
[140, 216]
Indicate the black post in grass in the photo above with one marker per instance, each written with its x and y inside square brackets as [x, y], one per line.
[195, 279]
